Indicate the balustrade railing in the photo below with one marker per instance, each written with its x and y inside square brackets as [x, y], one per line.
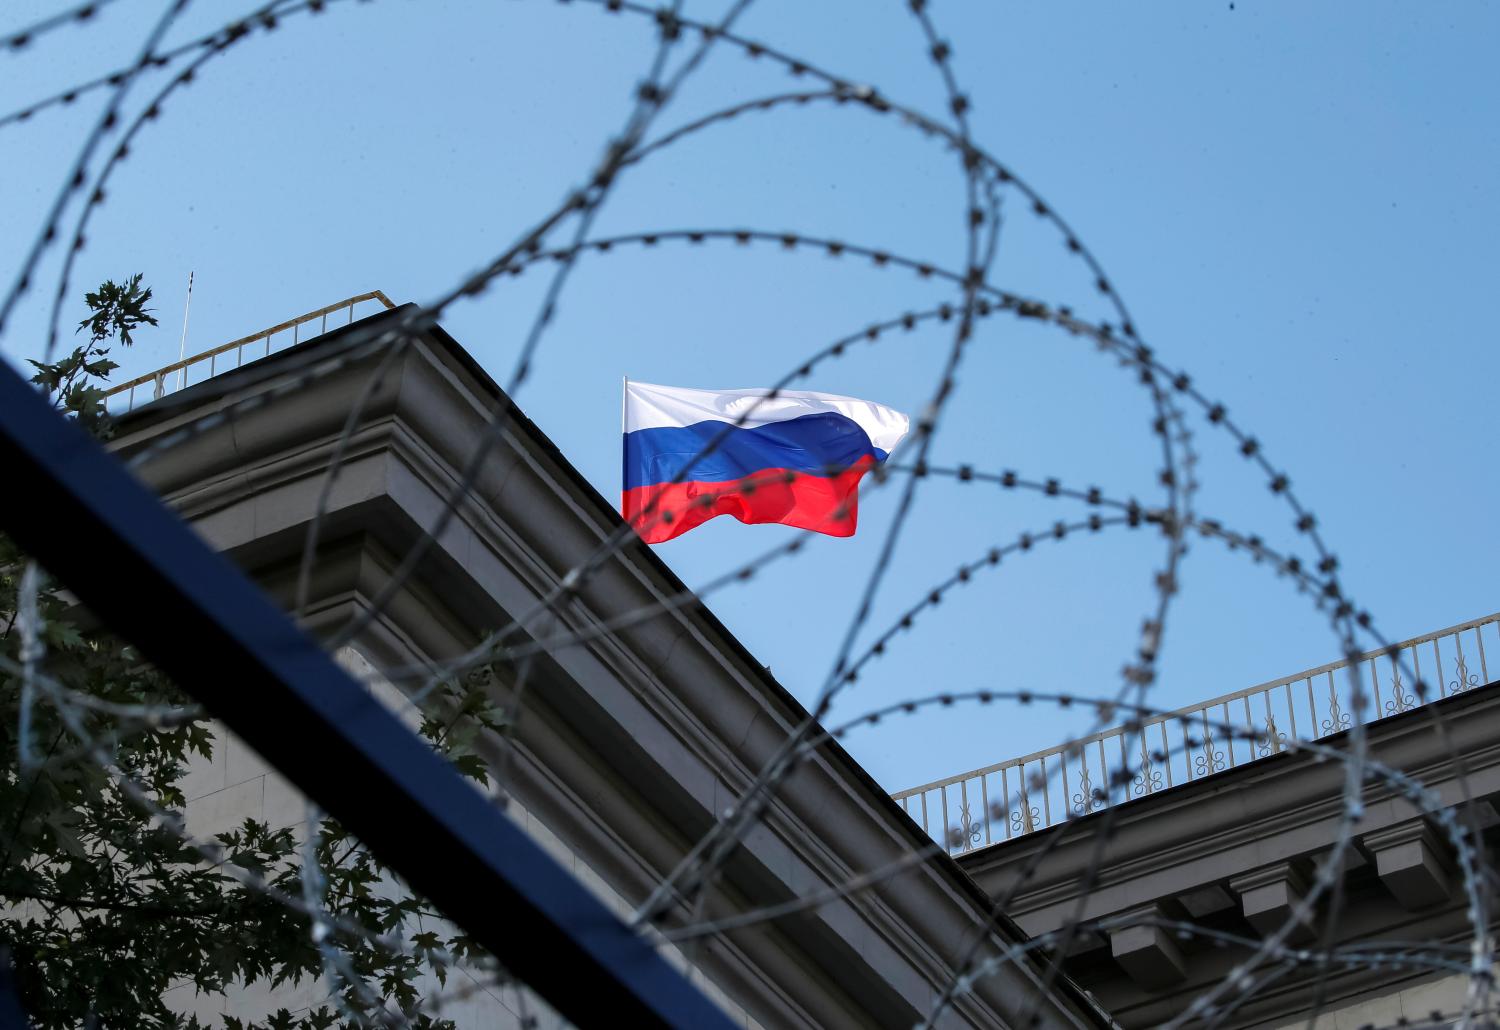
[999, 802]
[195, 369]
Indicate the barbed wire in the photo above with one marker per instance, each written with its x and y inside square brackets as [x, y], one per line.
[67, 702]
[687, 887]
[75, 178]
[218, 38]
[19, 39]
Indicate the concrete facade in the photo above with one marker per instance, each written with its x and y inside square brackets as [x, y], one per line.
[1235, 851]
[629, 744]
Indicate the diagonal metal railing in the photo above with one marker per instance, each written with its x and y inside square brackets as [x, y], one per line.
[181, 374]
[1012, 798]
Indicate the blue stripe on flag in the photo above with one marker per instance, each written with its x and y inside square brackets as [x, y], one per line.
[810, 443]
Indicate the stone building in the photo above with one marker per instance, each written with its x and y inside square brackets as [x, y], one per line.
[1235, 850]
[1208, 831]
[628, 743]
[631, 741]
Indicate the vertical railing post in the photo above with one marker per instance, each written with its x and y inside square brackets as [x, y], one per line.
[1484, 667]
[984, 801]
[965, 818]
[1046, 794]
[1026, 822]
[1166, 751]
[1124, 766]
[1103, 774]
[1005, 795]
[1083, 775]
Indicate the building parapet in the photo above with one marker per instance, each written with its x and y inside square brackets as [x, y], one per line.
[209, 363]
[1010, 799]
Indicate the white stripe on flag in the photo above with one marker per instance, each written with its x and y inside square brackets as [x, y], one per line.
[648, 406]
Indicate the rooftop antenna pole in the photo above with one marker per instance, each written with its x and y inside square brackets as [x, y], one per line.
[182, 345]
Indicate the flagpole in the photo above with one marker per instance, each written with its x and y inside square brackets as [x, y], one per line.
[182, 344]
[624, 406]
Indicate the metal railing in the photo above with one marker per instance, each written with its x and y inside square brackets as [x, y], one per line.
[994, 804]
[180, 374]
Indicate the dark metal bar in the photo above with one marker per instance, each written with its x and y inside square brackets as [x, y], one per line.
[153, 581]
[12, 1015]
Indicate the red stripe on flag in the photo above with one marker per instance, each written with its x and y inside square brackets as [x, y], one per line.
[823, 504]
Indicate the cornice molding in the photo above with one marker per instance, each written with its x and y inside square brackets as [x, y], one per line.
[1280, 808]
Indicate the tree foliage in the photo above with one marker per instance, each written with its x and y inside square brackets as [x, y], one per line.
[73, 382]
[107, 907]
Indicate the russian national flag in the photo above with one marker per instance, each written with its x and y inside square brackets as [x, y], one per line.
[796, 458]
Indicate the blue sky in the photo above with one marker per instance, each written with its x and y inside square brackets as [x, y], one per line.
[1297, 202]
